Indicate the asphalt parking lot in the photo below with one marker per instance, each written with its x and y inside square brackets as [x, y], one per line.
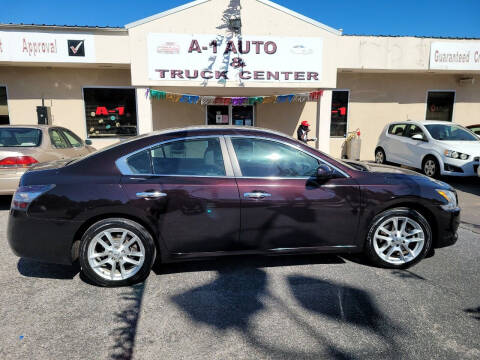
[320, 306]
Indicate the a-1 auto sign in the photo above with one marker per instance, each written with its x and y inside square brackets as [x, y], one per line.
[46, 47]
[207, 58]
[455, 55]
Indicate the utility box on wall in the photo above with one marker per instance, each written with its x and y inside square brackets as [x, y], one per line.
[43, 115]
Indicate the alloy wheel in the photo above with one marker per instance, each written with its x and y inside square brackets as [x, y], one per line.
[399, 240]
[430, 168]
[116, 254]
[379, 158]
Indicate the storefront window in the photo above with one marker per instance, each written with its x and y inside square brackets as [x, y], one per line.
[110, 112]
[4, 119]
[230, 115]
[338, 125]
[440, 105]
[218, 115]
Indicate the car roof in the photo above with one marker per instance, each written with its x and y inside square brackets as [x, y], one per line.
[41, 127]
[424, 122]
[216, 128]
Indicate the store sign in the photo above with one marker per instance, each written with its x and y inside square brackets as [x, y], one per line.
[205, 58]
[455, 55]
[46, 47]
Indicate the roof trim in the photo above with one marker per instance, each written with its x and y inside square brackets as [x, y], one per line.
[165, 13]
[62, 27]
[301, 17]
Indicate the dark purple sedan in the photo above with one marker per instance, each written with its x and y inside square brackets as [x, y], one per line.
[212, 191]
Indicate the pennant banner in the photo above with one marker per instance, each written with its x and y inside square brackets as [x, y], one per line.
[236, 101]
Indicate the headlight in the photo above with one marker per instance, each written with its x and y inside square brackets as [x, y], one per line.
[456, 155]
[450, 197]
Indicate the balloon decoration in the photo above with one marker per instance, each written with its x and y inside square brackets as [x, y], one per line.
[236, 101]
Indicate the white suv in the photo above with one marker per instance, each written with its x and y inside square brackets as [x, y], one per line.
[435, 147]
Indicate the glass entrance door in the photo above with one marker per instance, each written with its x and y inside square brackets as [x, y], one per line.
[243, 115]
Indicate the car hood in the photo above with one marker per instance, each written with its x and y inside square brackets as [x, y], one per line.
[393, 174]
[467, 147]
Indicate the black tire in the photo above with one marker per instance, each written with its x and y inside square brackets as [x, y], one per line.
[414, 215]
[380, 157]
[131, 226]
[427, 162]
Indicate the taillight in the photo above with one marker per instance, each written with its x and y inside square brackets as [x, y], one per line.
[18, 161]
[26, 194]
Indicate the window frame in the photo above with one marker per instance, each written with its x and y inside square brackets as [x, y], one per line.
[453, 106]
[8, 107]
[348, 115]
[124, 169]
[87, 136]
[230, 114]
[238, 172]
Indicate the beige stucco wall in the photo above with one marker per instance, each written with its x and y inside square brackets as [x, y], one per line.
[62, 90]
[167, 114]
[377, 99]
[113, 48]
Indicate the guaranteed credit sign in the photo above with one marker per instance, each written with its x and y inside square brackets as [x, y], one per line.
[27, 46]
[205, 58]
[455, 55]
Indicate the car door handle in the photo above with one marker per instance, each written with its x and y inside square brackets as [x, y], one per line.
[256, 195]
[150, 195]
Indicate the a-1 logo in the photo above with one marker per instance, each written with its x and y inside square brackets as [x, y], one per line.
[102, 110]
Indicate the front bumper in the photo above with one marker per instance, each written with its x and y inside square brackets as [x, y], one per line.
[41, 239]
[448, 222]
[457, 167]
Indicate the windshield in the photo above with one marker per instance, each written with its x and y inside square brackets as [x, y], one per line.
[20, 137]
[450, 133]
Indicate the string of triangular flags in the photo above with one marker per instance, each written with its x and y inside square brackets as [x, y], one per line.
[236, 101]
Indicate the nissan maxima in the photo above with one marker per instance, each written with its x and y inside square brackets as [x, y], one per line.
[207, 192]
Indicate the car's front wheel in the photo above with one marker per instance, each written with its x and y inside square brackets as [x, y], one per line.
[398, 238]
[430, 167]
[116, 252]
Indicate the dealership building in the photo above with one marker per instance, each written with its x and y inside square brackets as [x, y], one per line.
[239, 62]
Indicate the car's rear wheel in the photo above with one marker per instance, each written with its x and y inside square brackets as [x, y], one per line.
[430, 167]
[398, 238]
[116, 252]
[380, 157]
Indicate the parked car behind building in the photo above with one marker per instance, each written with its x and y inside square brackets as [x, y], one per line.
[435, 147]
[22, 147]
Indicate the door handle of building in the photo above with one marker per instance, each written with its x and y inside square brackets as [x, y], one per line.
[150, 195]
[256, 195]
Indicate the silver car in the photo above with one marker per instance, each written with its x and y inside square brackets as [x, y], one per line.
[23, 146]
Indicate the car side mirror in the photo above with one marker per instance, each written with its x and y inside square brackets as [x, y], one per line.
[418, 137]
[325, 172]
[88, 142]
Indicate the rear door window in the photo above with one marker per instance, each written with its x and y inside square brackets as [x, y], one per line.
[397, 129]
[20, 137]
[194, 157]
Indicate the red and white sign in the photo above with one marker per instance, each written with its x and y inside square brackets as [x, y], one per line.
[27, 46]
[207, 58]
[455, 55]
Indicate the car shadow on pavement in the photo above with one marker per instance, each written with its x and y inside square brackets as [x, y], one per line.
[31, 268]
[468, 185]
[474, 312]
[234, 299]
[252, 261]
[5, 201]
